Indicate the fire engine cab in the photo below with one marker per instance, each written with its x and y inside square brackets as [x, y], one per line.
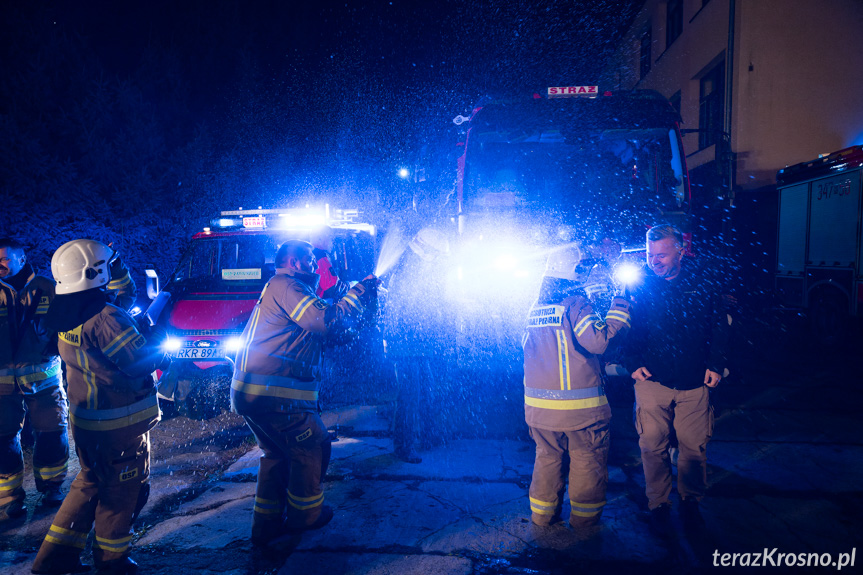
[209, 297]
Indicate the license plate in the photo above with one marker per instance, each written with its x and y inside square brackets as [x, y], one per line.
[199, 353]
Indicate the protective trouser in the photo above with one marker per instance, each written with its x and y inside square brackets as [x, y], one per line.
[115, 468]
[659, 411]
[583, 456]
[48, 417]
[415, 379]
[296, 456]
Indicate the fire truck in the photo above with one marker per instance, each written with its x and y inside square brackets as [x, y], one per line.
[535, 172]
[819, 247]
[209, 297]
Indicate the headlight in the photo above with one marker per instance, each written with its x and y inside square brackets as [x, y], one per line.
[172, 344]
[233, 344]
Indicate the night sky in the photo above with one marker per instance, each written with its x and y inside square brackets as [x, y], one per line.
[115, 112]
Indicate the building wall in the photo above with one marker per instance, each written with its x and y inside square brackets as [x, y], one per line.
[802, 95]
[796, 77]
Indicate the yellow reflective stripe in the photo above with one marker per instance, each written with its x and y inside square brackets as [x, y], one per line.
[121, 340]
[314, 501]
[89, 378]
[50, 472]
[585, 322]
[274, 391]
[312, 498]
[12, 482]
[300, 307]
[542, 507]
[118, 283]
[563, 360]
[114, 541]
[52, 371]
[308, 304]
[566, 403]
[7, 379]
[586, 505]
[543, 503]
[586, 509]
[619, 316]
[67, 537]
[266, 506]
[119, 423]
[352, 299]
[253, 325]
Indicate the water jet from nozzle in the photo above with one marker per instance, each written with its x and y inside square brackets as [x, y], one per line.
[392, 247]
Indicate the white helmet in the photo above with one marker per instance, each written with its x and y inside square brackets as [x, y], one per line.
[566, 263]
[429, 244]
[80, 265]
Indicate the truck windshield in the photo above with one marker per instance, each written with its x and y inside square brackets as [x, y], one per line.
[570, 160]
[241, 260]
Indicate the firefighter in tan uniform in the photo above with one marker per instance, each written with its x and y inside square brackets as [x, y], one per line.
[275, 388]
[29, 376]
[113, 407]
[564, 399]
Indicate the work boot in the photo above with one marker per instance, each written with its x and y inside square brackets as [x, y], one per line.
[408, 455]
[324, 518]
[52, 497]
[60, 567]
[660, 521]
[691, 514]
[264, 532]
[124, 566]
[14, 510]
[289, 536]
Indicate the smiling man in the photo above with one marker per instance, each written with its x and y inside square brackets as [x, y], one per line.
[676, 353]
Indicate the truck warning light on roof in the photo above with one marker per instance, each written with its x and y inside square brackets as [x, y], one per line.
[573, 91]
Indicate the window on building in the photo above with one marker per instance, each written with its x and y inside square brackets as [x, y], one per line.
[675, 101]
[645, 53]
[711, 106]
[673, 21]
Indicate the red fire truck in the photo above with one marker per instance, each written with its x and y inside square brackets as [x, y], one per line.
[574, 163]
[209, 297]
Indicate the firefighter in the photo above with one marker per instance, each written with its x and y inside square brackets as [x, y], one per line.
[275, 388]
[330, 286]
[113, 407]
[675, 354]
[29, 377]
[564, 398]
[419, 335]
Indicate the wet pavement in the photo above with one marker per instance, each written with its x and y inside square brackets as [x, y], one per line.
[786, 464]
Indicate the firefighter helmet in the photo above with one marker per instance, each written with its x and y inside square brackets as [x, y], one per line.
[80, 265]
[429, 244]
[568, 263]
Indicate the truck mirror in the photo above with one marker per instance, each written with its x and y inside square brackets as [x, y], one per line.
[152, 281]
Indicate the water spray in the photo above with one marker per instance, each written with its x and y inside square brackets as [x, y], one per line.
[392, 247]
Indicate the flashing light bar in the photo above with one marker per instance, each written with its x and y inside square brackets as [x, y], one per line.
[292, 218]
[573, 91]
[302, 219]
